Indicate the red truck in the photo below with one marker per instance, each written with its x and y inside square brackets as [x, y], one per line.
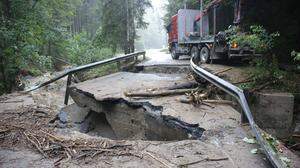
[201, 34]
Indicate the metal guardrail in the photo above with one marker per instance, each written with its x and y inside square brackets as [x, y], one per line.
[70, 72]
[240, 96]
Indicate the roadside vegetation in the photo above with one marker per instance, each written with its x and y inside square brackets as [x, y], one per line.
[35, 35]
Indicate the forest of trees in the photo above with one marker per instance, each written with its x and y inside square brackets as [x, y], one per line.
[34, 34]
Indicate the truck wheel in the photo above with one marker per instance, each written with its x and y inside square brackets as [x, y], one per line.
[204, 55]
[174, 55]
[195, 54]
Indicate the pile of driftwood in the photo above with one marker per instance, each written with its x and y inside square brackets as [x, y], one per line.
[32, 127]
[194, 93]
[208, 96]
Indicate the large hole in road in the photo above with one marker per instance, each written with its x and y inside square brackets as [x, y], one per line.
[120, 120]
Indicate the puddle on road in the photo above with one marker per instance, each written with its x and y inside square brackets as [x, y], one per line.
[120, 120]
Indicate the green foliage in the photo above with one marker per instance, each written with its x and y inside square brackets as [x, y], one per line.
[81, 50]
[266, 73]
[31, 33]
[281, 16]
[258, 38]
[34, 32]
[97, 72]
[295, 55]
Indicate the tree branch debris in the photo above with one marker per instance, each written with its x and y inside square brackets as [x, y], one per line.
[36, 133]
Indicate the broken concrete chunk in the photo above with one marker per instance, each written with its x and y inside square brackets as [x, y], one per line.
[63, 117]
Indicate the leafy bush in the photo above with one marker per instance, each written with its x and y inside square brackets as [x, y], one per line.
[267, 74]
[82, 51]
[258, 38]
[296, 55]
[19, 51]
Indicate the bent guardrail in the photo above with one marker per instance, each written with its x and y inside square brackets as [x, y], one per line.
[240, 96]
[70, 72]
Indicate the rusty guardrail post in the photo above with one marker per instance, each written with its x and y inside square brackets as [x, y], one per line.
[136, 58]
[144, 55]
[69, 81]
[119, 65]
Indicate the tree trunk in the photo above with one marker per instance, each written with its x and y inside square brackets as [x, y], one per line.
[132, 27]
[2, 70]
[127, 49]
[7, 16]
[6, 9]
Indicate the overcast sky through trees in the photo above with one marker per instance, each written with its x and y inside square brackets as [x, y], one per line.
[154, 37]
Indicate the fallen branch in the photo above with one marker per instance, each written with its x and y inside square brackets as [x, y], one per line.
[295, 146]
[52, 136]
[4, 131]
[159, 160]
[264, 85]
[259, 88]
[187, 85]
[16, 101]
[186, 100]
[202, 160]
[222, 71]
[296, 136]
[243, 81]
[158, 93]
[191, 100]
[57, 163]
[220, 102]
[35, 145]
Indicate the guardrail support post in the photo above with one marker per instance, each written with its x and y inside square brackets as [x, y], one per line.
[67, 94]
[136, 59]
[244, 119]
[144, 56]
[119, 65]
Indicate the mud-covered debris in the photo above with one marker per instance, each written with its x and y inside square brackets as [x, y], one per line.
[285, 160]
[24, 128]
[63, 117]
[249, 140]
[254, 151]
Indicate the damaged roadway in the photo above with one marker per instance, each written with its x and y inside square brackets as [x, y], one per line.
[223, 137]
[220, 145]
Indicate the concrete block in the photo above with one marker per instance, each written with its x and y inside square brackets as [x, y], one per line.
[74, 113]
[273, 112]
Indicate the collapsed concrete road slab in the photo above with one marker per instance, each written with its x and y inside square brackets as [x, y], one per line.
[221, 123]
